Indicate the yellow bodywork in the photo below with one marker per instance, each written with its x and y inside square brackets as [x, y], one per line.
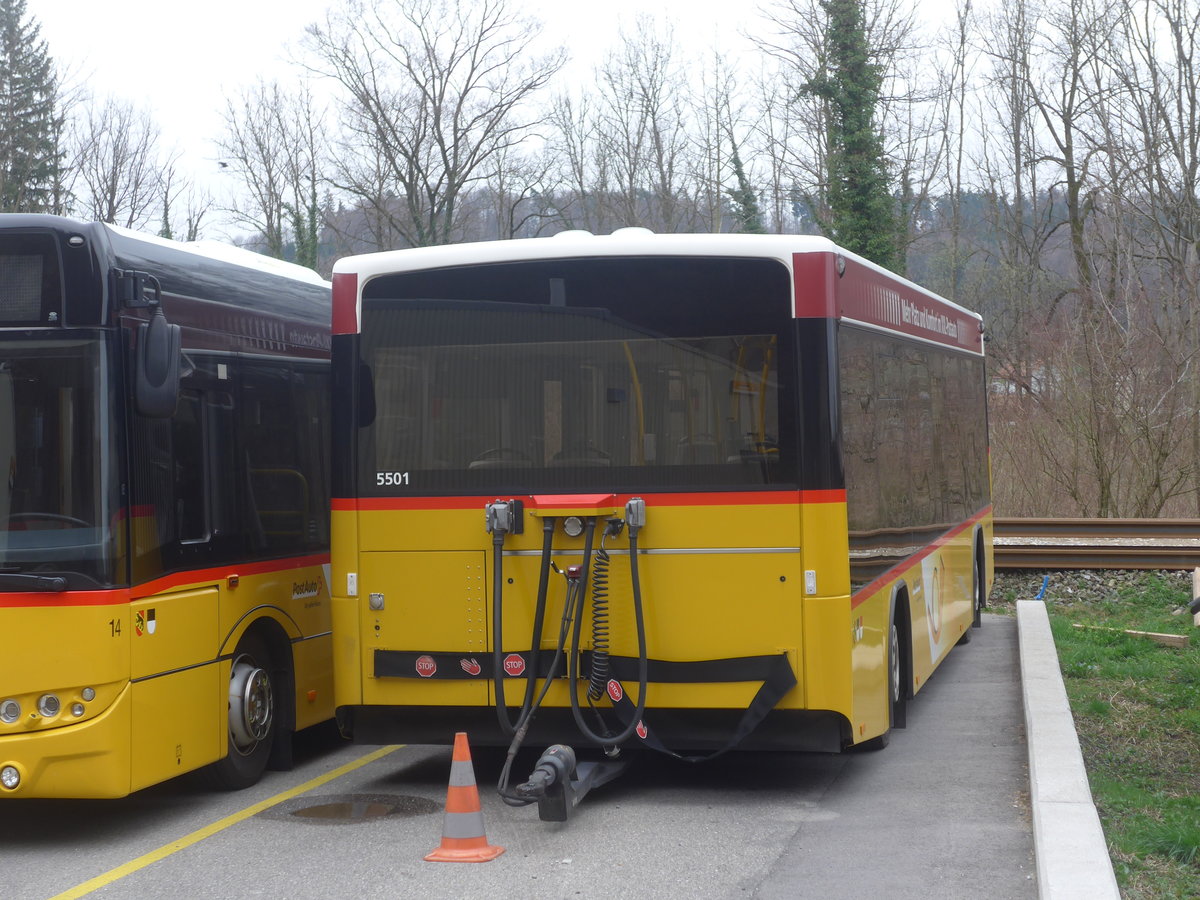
[718, 581]
[159, 668]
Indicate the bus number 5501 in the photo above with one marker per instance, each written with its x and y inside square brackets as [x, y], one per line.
[391, 479]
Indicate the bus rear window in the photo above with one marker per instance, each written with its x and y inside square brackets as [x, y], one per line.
[30, 287]
[615, 373]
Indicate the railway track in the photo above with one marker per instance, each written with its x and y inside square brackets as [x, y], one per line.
[1097, 543]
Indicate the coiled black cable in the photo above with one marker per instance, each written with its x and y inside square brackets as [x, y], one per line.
[598, 677]
[608, 739]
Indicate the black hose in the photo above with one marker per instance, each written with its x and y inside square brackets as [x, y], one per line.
[608, 740]
[506, 726]
[570, 607]
[640, 620]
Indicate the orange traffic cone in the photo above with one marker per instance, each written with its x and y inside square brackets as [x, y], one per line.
[463, 839]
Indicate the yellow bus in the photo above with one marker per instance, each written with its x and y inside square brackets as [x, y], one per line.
[689, 492]
[163, 509]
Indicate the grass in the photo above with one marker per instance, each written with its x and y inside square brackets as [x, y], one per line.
[1137, 711]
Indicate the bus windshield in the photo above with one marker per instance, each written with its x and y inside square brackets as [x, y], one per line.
[58, 481]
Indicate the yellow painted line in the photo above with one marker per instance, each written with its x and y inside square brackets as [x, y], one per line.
[220, 825]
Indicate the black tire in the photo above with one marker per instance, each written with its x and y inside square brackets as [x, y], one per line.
[253, 700]
[980, 584]
[978, 597]
[897, 659]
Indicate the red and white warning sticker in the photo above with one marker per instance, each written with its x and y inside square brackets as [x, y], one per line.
[426, 666]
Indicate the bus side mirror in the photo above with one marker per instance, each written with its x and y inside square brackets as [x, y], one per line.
[156, 377]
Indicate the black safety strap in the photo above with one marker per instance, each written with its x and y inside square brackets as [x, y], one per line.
[775, 673]
[777, 678]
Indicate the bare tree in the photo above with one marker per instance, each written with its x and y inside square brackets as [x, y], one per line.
[196, 204]
[522, 195]
[955, 99]
[582, 165]
[1105, 376]
[796, 131]
[116, 158]
[647, 131]
[274, 146]
[436, 91]
[1153, 132]
[722, 170]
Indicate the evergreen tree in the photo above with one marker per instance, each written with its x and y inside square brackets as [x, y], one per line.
[30, 125]
[862, 210]
[743, 201]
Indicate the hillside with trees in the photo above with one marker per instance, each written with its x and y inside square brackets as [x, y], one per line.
[1038, 162]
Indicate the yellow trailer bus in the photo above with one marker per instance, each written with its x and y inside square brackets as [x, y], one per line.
[163, 509]
[686, 491]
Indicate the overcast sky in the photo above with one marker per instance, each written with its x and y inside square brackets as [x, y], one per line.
[182, 60]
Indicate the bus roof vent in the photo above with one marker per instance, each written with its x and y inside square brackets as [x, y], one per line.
[634, 231]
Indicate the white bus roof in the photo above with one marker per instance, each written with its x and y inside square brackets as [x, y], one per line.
[622, 242]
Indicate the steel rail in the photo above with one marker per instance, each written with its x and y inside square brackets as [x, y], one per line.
[1097, 543]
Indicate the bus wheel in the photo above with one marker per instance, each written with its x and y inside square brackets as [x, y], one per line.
[978, 599]
[251, 717]
[980, 590]
[896, 668]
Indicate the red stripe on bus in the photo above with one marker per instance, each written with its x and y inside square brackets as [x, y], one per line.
[345, 303]
[876, 298]
[815, 285]
[731, 498]
[118, 596]
[863, 594]
[198, 576]
[135, 512]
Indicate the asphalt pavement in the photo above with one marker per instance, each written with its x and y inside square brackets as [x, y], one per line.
[969, 801]
[944, 811]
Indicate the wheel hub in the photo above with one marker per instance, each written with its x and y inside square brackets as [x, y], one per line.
[251, 705]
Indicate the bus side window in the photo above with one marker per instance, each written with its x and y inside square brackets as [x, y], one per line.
[312, 424]
[189, 467]
[285, 433]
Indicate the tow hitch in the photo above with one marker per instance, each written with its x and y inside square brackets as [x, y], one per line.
[558, 782]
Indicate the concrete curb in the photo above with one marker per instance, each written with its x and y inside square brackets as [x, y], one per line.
[1072, 856]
